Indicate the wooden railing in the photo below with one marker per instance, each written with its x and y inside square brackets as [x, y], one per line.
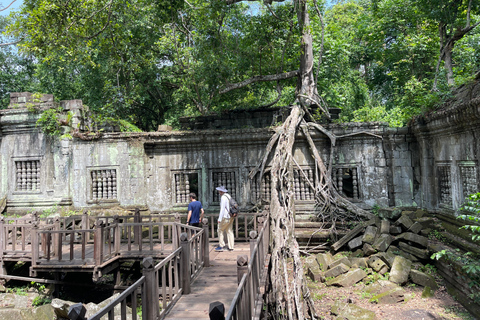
[162, 284]
[248, 300]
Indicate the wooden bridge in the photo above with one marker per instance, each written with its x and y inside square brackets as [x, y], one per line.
[99, 245]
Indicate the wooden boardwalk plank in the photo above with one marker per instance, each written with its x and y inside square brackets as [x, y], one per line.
[215, 283]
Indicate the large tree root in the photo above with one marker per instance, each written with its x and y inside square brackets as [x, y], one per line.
[289, 297]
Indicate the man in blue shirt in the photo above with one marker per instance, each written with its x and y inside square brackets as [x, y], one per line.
[195, 211]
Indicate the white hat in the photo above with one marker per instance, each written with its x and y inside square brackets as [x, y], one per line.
[221, 188]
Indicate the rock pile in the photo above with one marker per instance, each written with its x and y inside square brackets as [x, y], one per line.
[389, 243]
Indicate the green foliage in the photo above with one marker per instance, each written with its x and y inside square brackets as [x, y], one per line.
[375, 209]
[49, 122]
[469, 261]
[41, 300]
[471, 213]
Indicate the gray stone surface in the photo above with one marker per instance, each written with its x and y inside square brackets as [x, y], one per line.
[385, 229]
[368, 249]
[370, 234]
[423, 279]
[324, 260]
[389, 213]
[416, 227]
[359, 262]
[348, 279]
[405, 221]
[351, 311]
[383, 291]
[355, 243]
[382, 243]
[341, 259]
[400, 270]
[419, 253]
[337, 270]
[412, 237]
[376, 263]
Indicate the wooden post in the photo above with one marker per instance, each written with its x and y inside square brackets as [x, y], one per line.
[35, 248]
[137, 230]
[150, 307]
[242, 266]
[206, 243]
[2, 235]
[116, 235]
[98, 243]
[185, 263]
[57, 240]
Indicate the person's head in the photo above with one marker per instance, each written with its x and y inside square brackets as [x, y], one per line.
[221, 190]
[192, 196]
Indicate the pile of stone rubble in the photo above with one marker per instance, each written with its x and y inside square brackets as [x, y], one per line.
[394, 242]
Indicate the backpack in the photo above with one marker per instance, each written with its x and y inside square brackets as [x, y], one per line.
[234, 209]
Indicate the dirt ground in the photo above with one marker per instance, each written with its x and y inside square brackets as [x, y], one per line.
[442, 306]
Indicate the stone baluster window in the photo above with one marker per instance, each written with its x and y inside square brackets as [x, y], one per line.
[184, 184]
[264, 190]
[469, 179]
[346, 180]
[303, 189]
[27, 175]
[444, 184]
[104, 184]
[226, 179]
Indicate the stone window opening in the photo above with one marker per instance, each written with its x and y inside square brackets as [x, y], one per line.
[27, 175]
[103, 184]
[303, 189]
[226, 179]
[346, 180]
[444, 184]
[262, 192]
[185, 183]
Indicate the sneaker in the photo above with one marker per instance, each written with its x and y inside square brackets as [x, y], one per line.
[219, 249]
[227, 248]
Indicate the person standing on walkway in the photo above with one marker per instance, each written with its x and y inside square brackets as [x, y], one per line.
[195, 211]
[225, 222]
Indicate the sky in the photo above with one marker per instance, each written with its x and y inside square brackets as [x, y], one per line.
[5, 3]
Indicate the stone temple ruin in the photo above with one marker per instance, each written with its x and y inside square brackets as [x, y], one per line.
[432, 164]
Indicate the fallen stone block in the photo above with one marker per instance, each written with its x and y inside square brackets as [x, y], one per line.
[339, 261]
[357, 253]
[369, 235]
[426, 222]
[394, 295]
[410, 214]
[395, 229]
[387, 257]
[385, 229]
[405, 222]
[419, 253]
[427, 293]
[368, 249]
[324, 260]
[425, 232]
[423, 279]
[389, 213]
[400, 270]
[352, 234]
[355, 242]
[350, 311]
[376, 263]
[314, 273]
[359, 262]
[420, 213]
[348, 279]
[382, 243]
[416, 227]
[412, 237]
[337, 270]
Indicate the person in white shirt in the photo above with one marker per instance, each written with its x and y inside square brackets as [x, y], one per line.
[225, 222]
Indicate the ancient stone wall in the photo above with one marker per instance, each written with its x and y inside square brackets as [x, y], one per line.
[431, 164]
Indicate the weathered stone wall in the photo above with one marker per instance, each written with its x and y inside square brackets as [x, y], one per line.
[431, 164]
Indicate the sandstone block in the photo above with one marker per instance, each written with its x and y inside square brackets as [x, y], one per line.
[416, 227]
[400, 270]
[359, 262]
[427, 292]
[337, 262]
[412, 237]
[419, 253]
[324, 260]
[389, 213]
[369, 235]
[405, 222]
[314, 273]
[423, 279]
[355, 242]
[394, 295]
[376, 263]
[395, 229]
[385, 229]
[382, 243]
[348, 279]
[337, 270]
[368, 249]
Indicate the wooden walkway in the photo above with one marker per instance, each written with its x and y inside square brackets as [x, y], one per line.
[215, 283]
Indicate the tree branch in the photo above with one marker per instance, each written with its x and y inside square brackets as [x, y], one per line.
[10, 43]
[7, 6]
[271, 77]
